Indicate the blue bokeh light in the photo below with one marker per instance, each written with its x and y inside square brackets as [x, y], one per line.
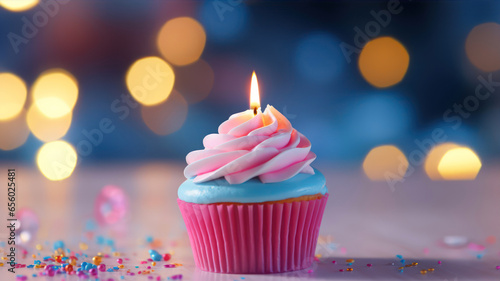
[318, 57]
[223, 21]
[377, 118]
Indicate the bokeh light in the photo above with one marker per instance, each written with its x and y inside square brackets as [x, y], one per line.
[383, 62]
[434, 157]
[224, 21]
[459, 164]
[150, 80]
[18, 5]
[377, 118]
[111, 205]
[384, 163]
[47, 129]
[455, 241]
[318, 57]
[166, 117]
[12, 95]
[56, 160]
[482, 46]
[15, 132]
[28, 225]
[55, 93]
[194, 81]
[181, 40]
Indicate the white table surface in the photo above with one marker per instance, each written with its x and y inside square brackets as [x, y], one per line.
[364, 220]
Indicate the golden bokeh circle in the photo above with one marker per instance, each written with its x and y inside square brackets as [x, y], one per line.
[15, 132]
[55, 93]
[13, 94]
[386, 162]
[56, 160]
[383, 62]
[47, 129]
[18, 5]
[460, 163]
[181, 40]
[434, 157]
[150, 80]
[482, 46]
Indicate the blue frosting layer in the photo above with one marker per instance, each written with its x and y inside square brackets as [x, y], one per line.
[252, 191]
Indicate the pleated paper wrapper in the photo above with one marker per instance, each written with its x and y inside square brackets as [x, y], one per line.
[253, 237]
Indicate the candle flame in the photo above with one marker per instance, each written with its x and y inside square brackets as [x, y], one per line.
[254, 94]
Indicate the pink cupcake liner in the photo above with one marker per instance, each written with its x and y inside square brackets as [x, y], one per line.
[253, 238]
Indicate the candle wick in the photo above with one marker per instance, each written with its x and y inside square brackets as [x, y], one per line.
[255, 111]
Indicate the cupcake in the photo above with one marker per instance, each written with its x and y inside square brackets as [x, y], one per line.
[251, 202]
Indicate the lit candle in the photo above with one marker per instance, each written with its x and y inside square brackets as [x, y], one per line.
[254, 94]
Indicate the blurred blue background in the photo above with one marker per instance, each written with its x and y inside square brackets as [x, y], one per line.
[295, 49]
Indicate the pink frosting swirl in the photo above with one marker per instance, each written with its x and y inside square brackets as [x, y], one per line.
[247, 146]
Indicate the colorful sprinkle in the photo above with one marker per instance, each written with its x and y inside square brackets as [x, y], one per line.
[155, 256]
[68, 268]
[166, 257]
[83, 246]
[97, 260]
[58, 245]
